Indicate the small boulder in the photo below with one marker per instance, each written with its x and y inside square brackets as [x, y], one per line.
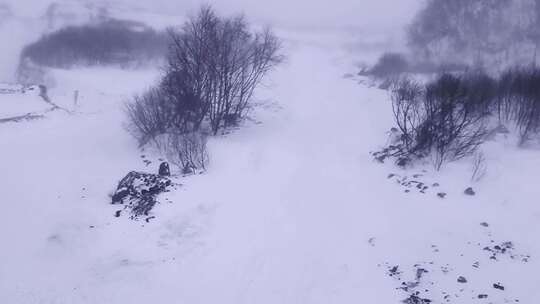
[138, 192]
[462, 280]
[482, 296]
[164, 169]
[469, 191]
[441, 194]
[498, 286]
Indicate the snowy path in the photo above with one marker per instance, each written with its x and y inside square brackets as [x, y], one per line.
[284, 214]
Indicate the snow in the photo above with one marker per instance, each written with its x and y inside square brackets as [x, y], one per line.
[293, 209]
[18, 101]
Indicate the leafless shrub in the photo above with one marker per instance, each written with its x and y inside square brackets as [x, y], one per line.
[407, 108]
[149, 115]
[448, 118]
[218, 63]
[187, 151]
[519, 101]
[443, 120]
[479, 166]
[452, 128]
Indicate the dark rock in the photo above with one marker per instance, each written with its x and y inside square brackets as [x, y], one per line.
[462, 280]
[402, 162]
[415, 299]
[420, 272]
[498, 286]
[164, 169]
[484, 224]
[482, 296]
[469, 191]
[441, 194]
[138, 192]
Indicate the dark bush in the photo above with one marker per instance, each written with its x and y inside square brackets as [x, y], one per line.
[113, 42]
[215, 64]
[454, 125]
[448, 118]
[445, 119]
[519, 100]
[150, 115]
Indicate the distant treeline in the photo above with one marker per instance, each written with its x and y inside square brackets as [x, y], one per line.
[113, 42]
[457, 35]
[485, 33]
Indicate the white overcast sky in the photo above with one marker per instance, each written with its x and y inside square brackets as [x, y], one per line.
[373, 14]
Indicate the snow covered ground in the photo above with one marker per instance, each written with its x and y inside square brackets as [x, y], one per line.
[293, 209]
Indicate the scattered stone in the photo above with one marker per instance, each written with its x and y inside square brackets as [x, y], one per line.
[462, 280]
[415, 299]
[420, 272]
[394, 271]
[498, 286]
[469, 191]
[482, 296]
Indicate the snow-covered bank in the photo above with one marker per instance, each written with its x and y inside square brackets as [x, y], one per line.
[292, 210]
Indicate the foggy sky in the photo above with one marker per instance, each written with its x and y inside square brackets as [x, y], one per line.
[372, 14]
[361, 18]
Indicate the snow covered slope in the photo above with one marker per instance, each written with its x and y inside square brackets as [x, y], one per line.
[292, 209]
[17, 101]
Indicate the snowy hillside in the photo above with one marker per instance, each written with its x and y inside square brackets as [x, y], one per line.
[292, 209]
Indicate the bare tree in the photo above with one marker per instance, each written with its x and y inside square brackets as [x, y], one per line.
[479, 166]
[407, 109]
[217, 63]
[452, 128]
[149, 115]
